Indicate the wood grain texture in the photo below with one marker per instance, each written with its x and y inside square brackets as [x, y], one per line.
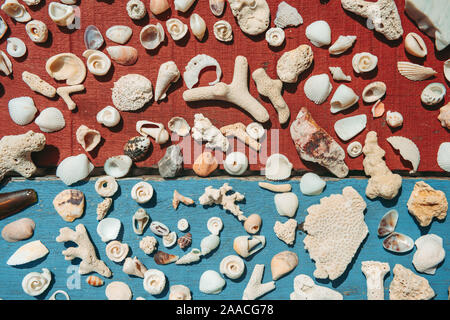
[351, 284]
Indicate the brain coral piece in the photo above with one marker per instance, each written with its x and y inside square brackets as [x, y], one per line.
[335, 230]
[382, 183]
[425, 203]
[407, 285]
[15, 153]
[131, 92]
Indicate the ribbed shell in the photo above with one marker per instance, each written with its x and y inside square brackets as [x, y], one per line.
[185, 241]
[414, 71]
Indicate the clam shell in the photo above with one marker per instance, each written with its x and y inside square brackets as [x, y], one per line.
[378, 109]
[317, 88]
[30, 251]
[18, 230]
[118, 290]
[74, 168]
[373, 91]
[198, 26]
[343, 98]
[50, 120]
[196, 65]
[22, 110]
[236, 163]
[124, 55]
[214, 225]
[232, 266]
[223, 31]
[253, 223]
[108, 116]
[349, 127]
[116, 251]
[278, 167]
[433, 94]
[16, 11]
[140, 221]
[88, 138]
[364, 62]
[209, 243]
[119, 34]
[354, 149]
[179, 292]
[408, 150]
[286, 204]
[341, 44]
[311, 184]
[152, 36]
[211, 282]
[176, 28]
[69, 204]
[63, 15]
[430, 253]
[108, 229]
[35, 283]
[191, 257]
[443, 156]
[387, 223]
[414, 72]
[275, 37]
[161, 257]
[5, 64]
[16, 48]
[97, 62]
[37, 31]
[283, 263]
[398, 242]
[66, 66]
[137, 148]
[170, 239]
[159, 228]
[118, 166]
[319, 33]
[180, 126]
[415, 45]
[287, 16]
[93, 39]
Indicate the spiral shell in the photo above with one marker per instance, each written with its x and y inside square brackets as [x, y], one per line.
[97, 62]
[116, 251]
[37, 31]
[232, 266]
[35, 283]
[364, 62]
[108, 116]
[223, 31]
[154, 281]
[214, 225]
[106, 186]
[185, 241]
[94, 281]
[182, 224]
[142, 192]
[275, 37]
[176, 28]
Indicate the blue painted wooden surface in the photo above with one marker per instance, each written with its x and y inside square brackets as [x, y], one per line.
[352, 284]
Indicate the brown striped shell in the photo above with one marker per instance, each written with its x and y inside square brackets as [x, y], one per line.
[185, 241]
[94, 281]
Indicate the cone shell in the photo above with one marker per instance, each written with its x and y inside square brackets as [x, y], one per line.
[168, 73]
[37, 31]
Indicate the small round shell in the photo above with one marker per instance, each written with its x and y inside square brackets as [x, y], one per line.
[97, 62]
[170, 239]
[152, 36]
[119, 34]
[148, 244]
[223, 31]
[182, 224]
[255, 130]
[108, 116]
[275, 37]
[179, 292]
[142, 192]
[232, 266]
[415, 45]
[136, 9]
[236, 163]
[35, 283]
[106, 186]
[176, 28]
[214, 225]
[433, 94]
[394, 119]
[198, 26]
[116, 251]
[179, 125]
[16, 48]
[118, 290]
[37, 31]
[364, 62]
[253, 223]
[354, 149]
[374, 91]
[154, 281]
[118, 166]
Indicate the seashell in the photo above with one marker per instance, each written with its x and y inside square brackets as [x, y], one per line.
[311, 184]
[373, 91]
[245, 246]
[168, 73]
[16, 11]
[16, 48]
[103, 208]
[387, 223]
[415, 45]
[287, 16]
[5, 64]
[148, 244]
[142, 192]
[152, 36]
[430, 253]
[74, 168]
[35, 283]
[63, 15]
[209, 243]
[119, 34]
[282, 263]
[180, 126]
[217, 7]
[354, 149]
[319, 33]
[364, 62]
[183, 5]
[159, 228]
[443, 156]
[182, 225]
[97, 62]
[286, 204]
[255, 130]
[179, 292]
[191, 257]
[394, 119]
[223, 31]
[211, 282]
[447, 69]
[53, 296]
[137, 148]
[124, 55]
[118, 166]
[343, 98]
[398, 242]
[214, 225]
[50, 120]
[232, 266]
[66, 66]
[170, 239]
[338, 74]
[317, 88]
[159, 6]
[18, 230]
[378, 109]
[16, 201]
[106, 186]
[176, 28]
[88, 138]
[196, 65]
[22, 110]
[140, 221]
[136, 9]
[37, 31]
[408, 150]
[134, 267]
[161, 257]
[278, 167]
[3, 27]
[198, 26]
[94, 281]
[118, 290]
[414, 72]
[185, 241]
[29, 252]
[433, 94]
[108, 116]
[108, 229]
[155, 130]
[349, 127]
[69, 204]
[236, 163]
[275, 37]
[93, 39]
[116, 251]
[342, 44]
[253, 223]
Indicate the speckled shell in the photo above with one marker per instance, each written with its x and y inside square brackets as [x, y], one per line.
[69, 204]
[94, 281]
[387, 223]
[398, 242]
[185, 241]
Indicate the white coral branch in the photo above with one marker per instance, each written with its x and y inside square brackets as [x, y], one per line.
[255, 288]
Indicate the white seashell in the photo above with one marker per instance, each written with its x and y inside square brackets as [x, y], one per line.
[140, 220]
[349, 127]
[341, 44]
[209, 243]
[286, 204]
[63, 15]
[398, 242]
[142, 192]
[387, 223]
[443, 156]
[253, 223]
[16, 48]
[430, 253]
[74, 168]
[170, 239]
[134, 267]
[191, 257]
[65, 294]
[3, 27]
[278, 167]
[255, 130]
[176, 28]
[28, 252]
[106, 186]
[152, 36]
[183, 224]
[179, 292]
[232, 266]
[93, 39]
[373, 91]
[50, 120]
[415, 45]
[154, 281]
[168, 74]
[136, 9]
[198, 26]
[223, 31]
[343, 98]
[414, 72]
[108, 229]
[311, 184]
[16, 11]
[35, 283]
[180, 126]
[364, 62]
[108, 116]
[354, 149]
[245, 246]
[236, 163]
[97, 62]
[275, 37]
[66, 66]
[118, 290]
[447, 70]
[287, 16]
[211, 282]
[196, 65]
[118, 166]
[5, 64]
[394, 119]
[338, 74]
[119, 34]
[183, 5]
[37, 31]
[408, 150]
[22, 110]
[116, 251]
[159, 228]
[214, 225]
[433, 93]
[88, 138]
[319, 33]
[155, 130]
[317, 88]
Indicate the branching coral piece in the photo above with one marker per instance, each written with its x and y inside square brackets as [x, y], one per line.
[85, 251]
[219, 196]
[275, 187]
[336, 229]
[382, 183]
[177, 198]
[374, 271]
[407, 285]
[64, 93]
[255, 288]
[238, 130]
[236, 92]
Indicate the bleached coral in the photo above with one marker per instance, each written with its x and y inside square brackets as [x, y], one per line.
[407, 285]
[219, 196]
[375, 272]
[306, 289]
[204, 130]
[255, 288]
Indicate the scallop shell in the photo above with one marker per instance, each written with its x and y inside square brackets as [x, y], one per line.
[378, 109]
[179, 292]
[373, 91]
[246, 246]
[354, 149]
[155, 130]
[198, 26]
[236, 163]
[447, 70]
[108, 229]
[348, 128]
[161, 257]
[182, 225]
[94, 281]
[278, 167]
[118, 290]
[16, 48]
[387, 223]
[185, 241]
[117, 251]
[414, 72]
[255, 130]
[253, 223]
[176, 28]
[408, 150]
[18, 230]
[342, 44]
[22, 110]
[433, 94]
[443, 156]
[170, 239]
[69, 204]
[430, 253]
[66, 66]
[311, 184]
[35, 283]
[343, 98]
[140, 221]
[191, 257]
[209, 243]
[108, 116]
[137, 148]
[319, 33]
[286, 204]
[118, 166]
[287, 16]
[232, 266]
[196, 65]
[28, 252]
[50, 120]
[74, 168]
[97, 62]
[180, 126]
[214, 225]
[275, 37]
[415, 45]
[37, 31]
[3, 27]
[398, 242]
[394, 119]
[317, 88]
[159, 228]
[211, 282]
[16, 11]
[124, 55]
[168, 73]
[93, 39]
[63, 15]
[88, 138]
[338, 74]
[364, 62]
[119, 34]
[152, 36]
[223, 31]
[134, 267]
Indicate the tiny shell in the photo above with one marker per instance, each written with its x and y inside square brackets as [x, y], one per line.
[35, 283]
[179, 125]
[354, 149]
[287, 16]
[119, 34]
[148, 244]
[430, 253]
[278, 167]
[311, 184]
[185, 241]
[338, 74]
[275, 37]
[74, 168]
[223, 31]
[22, 110]
[347, 128]
[246, 246]
[108, 229]
[373, 91]
[341, 44]
[286, 204]
[140, 220]
[183, 5]
[414, 72]
[214, 225]
[63, 15]
[161, 257]
[378, 109]
[255, 130]
[343, 98]
[108, 116]
[50, 120]
[168, 74]
[443, 156]
[136, 9]
[137, 148]
[134, 267]
[232, 266]
[94, 281]
[88, 138]
[69, 204]
[66, 66]
[37, 31]
[415, 45]
[387, 223]
[211, 282]
[16, 10]
[253, 223]
[196, 65]
[236, 163]
[398, 242]
[209, 243]
[124, 55]
[159, 228]
[97, 62]
[103, 208]
[191, 257]
[93, 39]
[116, 251]
[283, 263]
[5, 64]
[16, 48]
[176, 28]
[217, 7]
[364, 62]
[319, 33]
[155, 130]
[198, 26]
[118, 290]
[152, 36]
[317, 88]
[179, 292]
[118, 166]
[394, 119]
[170, 239]
[433, 94]
[18, 230]
[30, 251]
[408, 150]
[159, 6]
[106, 186]
[182, 225]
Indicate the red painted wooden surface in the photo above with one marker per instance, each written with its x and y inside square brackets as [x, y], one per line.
[421, 124]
